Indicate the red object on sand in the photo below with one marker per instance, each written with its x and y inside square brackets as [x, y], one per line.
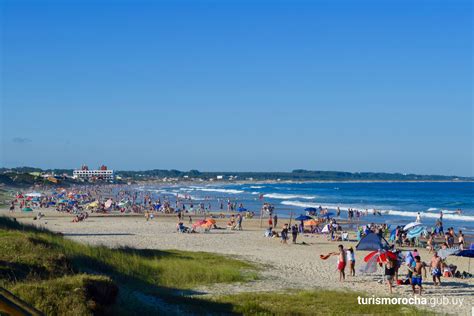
[381, 256]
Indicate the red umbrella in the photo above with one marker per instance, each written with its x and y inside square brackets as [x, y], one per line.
[381, 256]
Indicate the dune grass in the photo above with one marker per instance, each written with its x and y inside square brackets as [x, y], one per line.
[62, 277]
[43, 268]
[316, 302]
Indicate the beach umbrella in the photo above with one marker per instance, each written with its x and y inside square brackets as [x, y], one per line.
[417, 232]
[310, 222]
[411, 225]
[468, 253]
[310, 209]
[93, 204]
[200, 222]
[27, 209]
[444, 253]
[211, 220]
[303, 218]
[382, 256]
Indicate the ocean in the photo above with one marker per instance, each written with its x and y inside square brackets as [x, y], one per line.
[399, 202]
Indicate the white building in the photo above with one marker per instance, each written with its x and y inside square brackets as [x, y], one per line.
[101, 174]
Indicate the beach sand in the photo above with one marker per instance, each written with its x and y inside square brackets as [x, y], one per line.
[283, 266]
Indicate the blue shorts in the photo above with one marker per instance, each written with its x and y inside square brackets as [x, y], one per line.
[416, 280]
[436, 272]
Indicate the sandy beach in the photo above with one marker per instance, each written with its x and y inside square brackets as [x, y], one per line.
[283, 266]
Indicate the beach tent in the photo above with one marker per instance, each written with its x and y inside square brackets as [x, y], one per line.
[393, 235]
[411, 225]
[372, 241]
[417, 232]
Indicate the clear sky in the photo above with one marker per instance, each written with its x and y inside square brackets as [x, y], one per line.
[238, 85]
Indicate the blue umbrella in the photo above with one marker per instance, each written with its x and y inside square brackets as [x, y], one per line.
[241, 209]
[468, 253]
[416, 232]
[303, 218]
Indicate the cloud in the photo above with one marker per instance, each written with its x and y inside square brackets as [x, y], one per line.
[21, 140]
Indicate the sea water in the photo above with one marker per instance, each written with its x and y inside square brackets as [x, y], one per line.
[398, 202]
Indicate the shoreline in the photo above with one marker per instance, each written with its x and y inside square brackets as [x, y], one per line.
[292, 266]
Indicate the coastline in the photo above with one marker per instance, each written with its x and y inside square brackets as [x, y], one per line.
[283, 266]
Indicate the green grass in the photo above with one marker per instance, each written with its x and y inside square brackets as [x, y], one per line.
[42, 267]
[62, 277]
[317, 302]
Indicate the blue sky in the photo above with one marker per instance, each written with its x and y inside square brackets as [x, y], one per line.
[239, 85]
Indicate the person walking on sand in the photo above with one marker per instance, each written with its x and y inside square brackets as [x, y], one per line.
[239, 221]
[351, 261]
[284, 234]
[294, 232]
[275, 221]
[390, 273]
[436, 268]
[417, 279]
[341, 263]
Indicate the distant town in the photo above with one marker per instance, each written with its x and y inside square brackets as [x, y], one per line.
[23, 176]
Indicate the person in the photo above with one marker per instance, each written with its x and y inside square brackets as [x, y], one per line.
[436, 268]
[409, 261]
[430, 245]
[294, 232]
[284, 234]
[417, 279]
[418, 218]
[351, 261]
[390, 273]
[270, 222]
[461, 240]
[341, 263]
[275, 221]
[239, 221]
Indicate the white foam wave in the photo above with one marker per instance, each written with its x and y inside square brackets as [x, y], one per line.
[230, 191]
[256, 187]
[281, 196]
[454, 217]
